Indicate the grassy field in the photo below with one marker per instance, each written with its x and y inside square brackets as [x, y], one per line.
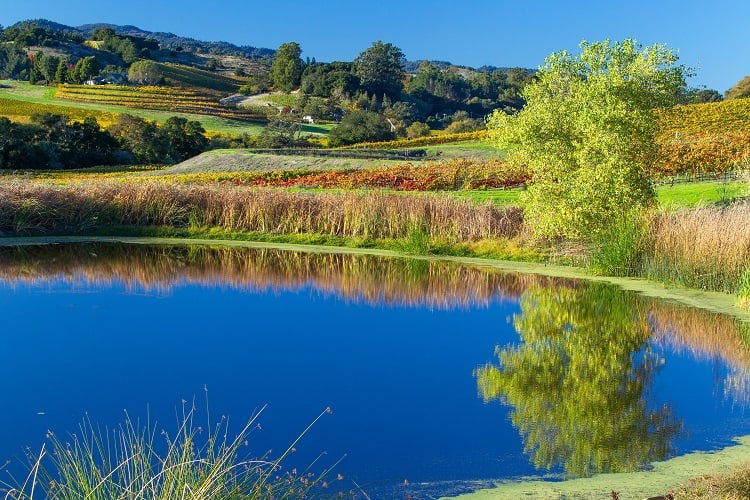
[45, 99]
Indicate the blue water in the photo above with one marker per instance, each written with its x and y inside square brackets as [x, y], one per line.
[399, 379]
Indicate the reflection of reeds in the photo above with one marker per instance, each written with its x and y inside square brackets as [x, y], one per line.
[703, 248]
[34, 207]
[359, 278]
[707, 336]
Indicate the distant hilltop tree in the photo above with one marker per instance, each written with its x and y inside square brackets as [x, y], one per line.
[381, 69]
[145, 72]
[286, 70]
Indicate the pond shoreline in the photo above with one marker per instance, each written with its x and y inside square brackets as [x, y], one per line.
[631, 485]
[712, 301]
[657, 480]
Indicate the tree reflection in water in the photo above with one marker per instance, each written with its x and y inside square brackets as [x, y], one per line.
[579, 381]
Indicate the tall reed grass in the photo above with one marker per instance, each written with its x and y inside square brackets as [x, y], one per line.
[706, 248]
[28, 207]
[134, 461]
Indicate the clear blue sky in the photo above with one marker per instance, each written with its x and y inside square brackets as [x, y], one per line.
[711, 36]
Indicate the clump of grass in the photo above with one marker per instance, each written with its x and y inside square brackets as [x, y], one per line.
[734, 485]
[620, 248]
[134, 462]
[416, 242]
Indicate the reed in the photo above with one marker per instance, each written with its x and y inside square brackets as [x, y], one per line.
[28, 207]
[706, 248]
[134, 461]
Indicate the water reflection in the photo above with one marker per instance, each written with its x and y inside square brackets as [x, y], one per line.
[579, 382]
[356, 278]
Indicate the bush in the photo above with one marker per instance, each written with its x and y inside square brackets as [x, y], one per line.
[417, 129]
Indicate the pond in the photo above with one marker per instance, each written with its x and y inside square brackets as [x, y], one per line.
[441, 378]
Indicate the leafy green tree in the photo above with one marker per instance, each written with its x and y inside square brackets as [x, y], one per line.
[741, 89]
[286, 70]
[61, 73]
[700, 96]
[417, 129]
[381, 69]
[85, 68]
[579, 381]
[186, 138]
[142, 138]
[14, 63]
[587, 133]
[361, 126]
[145, 72]
[283, 131]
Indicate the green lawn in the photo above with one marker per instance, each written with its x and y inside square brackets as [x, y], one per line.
[682, 195]
[467, 149]
[690, 194]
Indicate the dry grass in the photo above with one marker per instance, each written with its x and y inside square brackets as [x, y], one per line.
[28, 207]
[705, 248]
[734, 485]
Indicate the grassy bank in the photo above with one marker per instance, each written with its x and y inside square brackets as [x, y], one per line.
[705, 248]
[28, 207]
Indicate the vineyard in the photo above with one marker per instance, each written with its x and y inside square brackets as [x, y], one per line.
[172, 99]
[732, 116]
[430, 140]
[460, 174]
[21, 111]
[187, 76]
[700, 139]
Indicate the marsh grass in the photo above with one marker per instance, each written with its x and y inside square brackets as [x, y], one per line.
[706, 248]
[743, 289]
[135, 461]
[28, 207]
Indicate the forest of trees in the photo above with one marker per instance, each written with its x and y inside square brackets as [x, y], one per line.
[52, 141]
[377, 96]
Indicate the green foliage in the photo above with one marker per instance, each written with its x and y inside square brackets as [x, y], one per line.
[588, 133]
[176, 140]
[417, 129]
[286, 70]
[380, 69]
[702, 96]
[14, 63]
[145, 72]
[741, 89]
[85, 68]
[129, 48]
[52, 142]
[579, 381]
[361, 126]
